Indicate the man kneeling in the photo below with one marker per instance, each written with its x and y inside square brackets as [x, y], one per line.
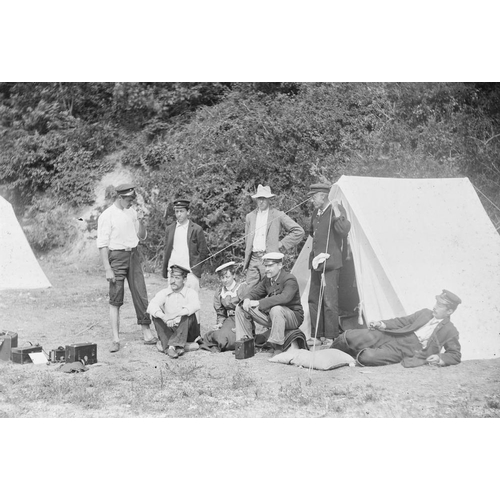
[414, 340]
[273, 302]
[173, 310]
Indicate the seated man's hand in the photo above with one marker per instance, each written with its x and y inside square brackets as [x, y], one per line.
[174, 322]
[171, 323]
[376, 324]
[218, 326]
[434, 360]
[247, 304]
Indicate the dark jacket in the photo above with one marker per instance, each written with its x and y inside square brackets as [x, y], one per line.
[445, 335]
[284, 292]
[319, 228]
[198, 250]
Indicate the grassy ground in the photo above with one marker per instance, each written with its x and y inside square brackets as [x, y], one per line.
[138, 381]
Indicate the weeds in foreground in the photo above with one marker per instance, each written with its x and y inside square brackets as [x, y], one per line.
[294, 392]
[242, 380]
[182, 371]
[53, 388]
[493, 403]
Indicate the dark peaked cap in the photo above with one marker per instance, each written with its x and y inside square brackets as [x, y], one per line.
[449, 299]
[126, 190]
[181, 203]
[320, 187]
[179, 269]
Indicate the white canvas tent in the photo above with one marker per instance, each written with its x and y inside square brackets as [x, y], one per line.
[19, 268]
[411, 238]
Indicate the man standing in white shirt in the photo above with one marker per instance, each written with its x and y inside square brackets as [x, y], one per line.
[413, 340]
[185, 245]
[118, 233]
[174, 313]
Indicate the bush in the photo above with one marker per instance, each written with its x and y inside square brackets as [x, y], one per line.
[216, 142]
[75, 174]
[49, 227]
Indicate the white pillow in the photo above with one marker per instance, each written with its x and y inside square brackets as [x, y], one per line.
[285, 357]
[325, 359]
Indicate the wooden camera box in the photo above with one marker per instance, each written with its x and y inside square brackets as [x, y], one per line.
[85, 352]
[57, 355]
[21, 355]
[244, 348]
[8, 340]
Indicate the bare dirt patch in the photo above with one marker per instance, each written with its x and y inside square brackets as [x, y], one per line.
[138, 381]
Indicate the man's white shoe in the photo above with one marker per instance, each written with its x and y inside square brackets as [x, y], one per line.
[191, 346]
[326, 343]
[313, 342]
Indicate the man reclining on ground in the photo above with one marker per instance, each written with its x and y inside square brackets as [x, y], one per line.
[413, 340]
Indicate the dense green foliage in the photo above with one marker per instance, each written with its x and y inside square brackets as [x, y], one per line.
[216, 142]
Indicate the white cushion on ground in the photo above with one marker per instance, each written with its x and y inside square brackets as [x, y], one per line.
[326, 359]
[285, 357]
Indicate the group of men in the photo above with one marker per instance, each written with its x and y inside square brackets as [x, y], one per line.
[271, 300]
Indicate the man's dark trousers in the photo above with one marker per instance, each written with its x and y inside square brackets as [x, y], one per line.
[376, 348]
[187, 331]
[328, 325]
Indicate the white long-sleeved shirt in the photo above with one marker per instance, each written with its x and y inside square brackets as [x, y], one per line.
[182, 303]
[117, 229]
[180, 249]
[259, 239]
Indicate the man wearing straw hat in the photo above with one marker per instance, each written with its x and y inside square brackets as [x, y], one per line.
[263, 227]
[329, 226]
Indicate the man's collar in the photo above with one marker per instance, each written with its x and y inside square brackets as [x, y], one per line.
[182, 291]
[321, 211]
[275, 279]
[445, 320]
[182, 225]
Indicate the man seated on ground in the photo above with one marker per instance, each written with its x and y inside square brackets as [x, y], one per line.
[414, 340]
[273, 302]
[174, 314]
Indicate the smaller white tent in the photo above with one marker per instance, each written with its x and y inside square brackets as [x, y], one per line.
[412, 238]
[19, 268]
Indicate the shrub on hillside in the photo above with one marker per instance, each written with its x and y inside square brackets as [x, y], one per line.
[48, 226]
[75, 174]
[215, 143]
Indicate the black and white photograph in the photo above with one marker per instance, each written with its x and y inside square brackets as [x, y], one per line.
[250, 249]
[233, 248]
